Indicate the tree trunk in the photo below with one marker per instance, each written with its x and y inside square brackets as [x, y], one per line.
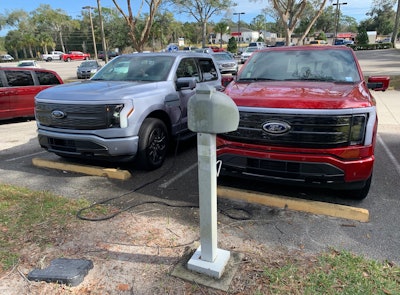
[203, 33]
[396, 24]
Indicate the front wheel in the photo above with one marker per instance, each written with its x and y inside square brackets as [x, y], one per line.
[153, 144]
[361, 193]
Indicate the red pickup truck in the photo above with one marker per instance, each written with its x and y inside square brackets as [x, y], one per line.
[307, 117]
[75, 55]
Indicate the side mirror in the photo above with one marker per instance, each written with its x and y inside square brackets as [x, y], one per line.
[378, 83]
[185, 83]
[226, 80]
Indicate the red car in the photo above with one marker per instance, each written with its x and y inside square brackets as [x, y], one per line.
[18, 87]
[307, 117]
[75, 55]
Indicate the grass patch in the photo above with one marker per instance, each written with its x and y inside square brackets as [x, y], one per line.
[394, 83]
[40, 218]
[31, 217]
[334, 272]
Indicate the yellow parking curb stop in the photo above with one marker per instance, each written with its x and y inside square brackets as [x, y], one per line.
[89, 170]
[314, 207]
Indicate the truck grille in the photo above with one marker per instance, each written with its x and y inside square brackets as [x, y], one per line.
[308, 130]
[79, 117]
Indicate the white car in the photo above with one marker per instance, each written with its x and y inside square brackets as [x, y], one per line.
[247, 52]
[28, 64]
[6, 57]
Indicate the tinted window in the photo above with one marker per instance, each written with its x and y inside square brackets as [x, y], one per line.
[19, 78]
[188, 68]
[208, 69]
[46, 78]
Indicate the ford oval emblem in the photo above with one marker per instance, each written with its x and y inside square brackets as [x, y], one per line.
[56, 114]
[276, 127]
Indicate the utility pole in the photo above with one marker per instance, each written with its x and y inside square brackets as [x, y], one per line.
[91, 25]
[337, 4]
[103, 38]
[239, 33]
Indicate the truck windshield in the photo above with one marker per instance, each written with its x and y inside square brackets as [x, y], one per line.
[302, 64]
[136, 67]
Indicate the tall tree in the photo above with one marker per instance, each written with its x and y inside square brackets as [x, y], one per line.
[221, 28]
[291, 12]
[139, 26]
[202, 11]
[55, 22]
[382, 17]
[396, 24]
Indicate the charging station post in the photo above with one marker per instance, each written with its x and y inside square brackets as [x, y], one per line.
[209, 113]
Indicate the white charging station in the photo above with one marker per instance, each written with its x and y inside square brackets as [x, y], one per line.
[209, 112]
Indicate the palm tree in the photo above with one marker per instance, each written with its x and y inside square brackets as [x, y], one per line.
[222, 28]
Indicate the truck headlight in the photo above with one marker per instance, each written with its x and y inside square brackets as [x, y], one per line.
[357, 131]
[113, 115]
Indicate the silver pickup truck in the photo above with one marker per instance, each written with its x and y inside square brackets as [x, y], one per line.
[130, 110]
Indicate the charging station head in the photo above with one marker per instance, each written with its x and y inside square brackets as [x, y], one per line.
[211, 111]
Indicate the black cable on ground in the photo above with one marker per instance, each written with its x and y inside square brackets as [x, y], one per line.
[81, 211]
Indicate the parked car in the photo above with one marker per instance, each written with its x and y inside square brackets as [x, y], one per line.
[6, 57]
[53, 55]
[318, 42]
[217, 49]
[204, 50]
[257, 44]
[226, 62]
[384, 40]
[75, 55]
[111, 55]
[28, 64]
[18, 87]
[280, 43]
[307, 117]
[342, 42]
[87, 69]
[246, 53]
[131, 109]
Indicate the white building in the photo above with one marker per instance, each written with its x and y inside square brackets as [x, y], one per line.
[246, 36]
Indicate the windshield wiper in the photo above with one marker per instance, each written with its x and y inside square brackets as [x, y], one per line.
[257, 79]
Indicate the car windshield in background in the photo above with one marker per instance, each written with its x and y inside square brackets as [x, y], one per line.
[222, 56]
[306, 65]
[136, 67]
[89, 64]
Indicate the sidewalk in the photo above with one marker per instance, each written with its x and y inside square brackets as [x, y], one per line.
[388, 105]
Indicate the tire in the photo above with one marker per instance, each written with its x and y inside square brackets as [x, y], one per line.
[49, 59]
[68, 59]
[153, 144]
[359, 194]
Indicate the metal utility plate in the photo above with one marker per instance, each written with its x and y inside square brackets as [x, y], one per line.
[66, 271]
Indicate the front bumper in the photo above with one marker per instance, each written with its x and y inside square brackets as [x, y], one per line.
[88, 146]
[300, 168]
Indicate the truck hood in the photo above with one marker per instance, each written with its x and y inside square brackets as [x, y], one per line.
[99, 90]
[300, 94]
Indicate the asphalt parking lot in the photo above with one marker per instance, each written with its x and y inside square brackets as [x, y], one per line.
[176, 182]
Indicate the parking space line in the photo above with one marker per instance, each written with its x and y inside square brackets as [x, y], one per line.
[390, 155]
[26, 156]
[177, 176]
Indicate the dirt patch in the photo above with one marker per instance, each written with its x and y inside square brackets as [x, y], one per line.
[135, 253]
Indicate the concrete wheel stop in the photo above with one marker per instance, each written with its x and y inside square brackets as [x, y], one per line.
[66, 271]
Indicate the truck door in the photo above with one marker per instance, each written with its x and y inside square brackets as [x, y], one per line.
[21, 90]
[4, 98]
[187, 68]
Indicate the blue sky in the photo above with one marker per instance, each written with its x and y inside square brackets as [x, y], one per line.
[354, 8]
